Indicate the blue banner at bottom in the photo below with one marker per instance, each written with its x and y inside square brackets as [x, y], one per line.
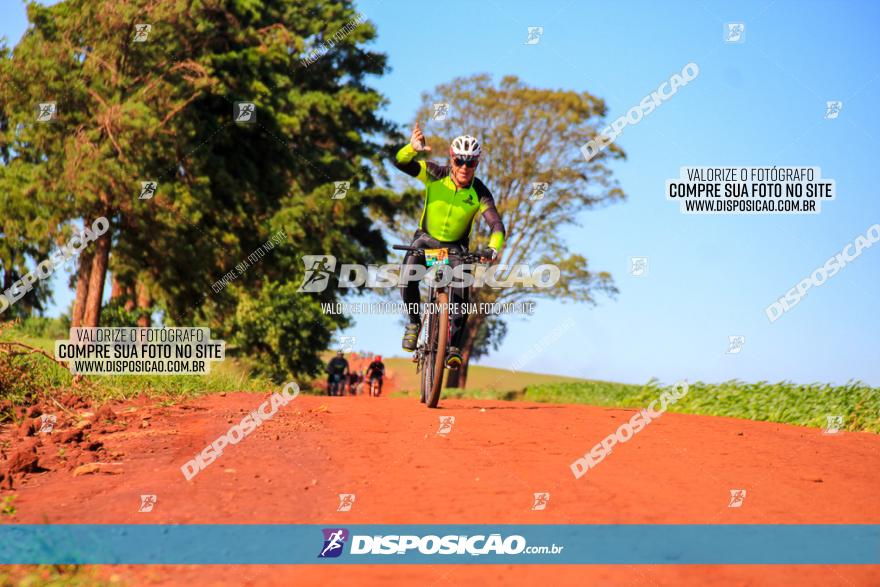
[854, 544]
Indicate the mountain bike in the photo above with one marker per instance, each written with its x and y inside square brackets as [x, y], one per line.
[374, 387]
[433, 343]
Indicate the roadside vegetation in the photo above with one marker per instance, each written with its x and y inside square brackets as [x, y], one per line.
[26, 376]
[54, 576]
[785, 402]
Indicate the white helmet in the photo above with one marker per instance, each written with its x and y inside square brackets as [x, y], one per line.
[465, 146]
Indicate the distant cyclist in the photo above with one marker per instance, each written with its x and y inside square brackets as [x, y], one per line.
[337, 371]
[453, 198]
[375, 371]
[355, 378]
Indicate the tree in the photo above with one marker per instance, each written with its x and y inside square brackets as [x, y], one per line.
[528, 135]
[162, 110]
[29, 228]
[116, 108]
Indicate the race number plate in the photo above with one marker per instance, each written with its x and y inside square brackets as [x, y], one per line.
[436, 257]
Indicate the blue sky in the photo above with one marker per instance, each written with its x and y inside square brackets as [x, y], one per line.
[759, 103]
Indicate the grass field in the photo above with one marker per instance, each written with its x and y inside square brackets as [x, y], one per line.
[31, 374]
[791, 403]
[493, 382]
[803, 404]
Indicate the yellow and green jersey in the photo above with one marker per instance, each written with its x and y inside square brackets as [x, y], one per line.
[449, 211]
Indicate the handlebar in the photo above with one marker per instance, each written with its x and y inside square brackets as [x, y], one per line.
[477, 254]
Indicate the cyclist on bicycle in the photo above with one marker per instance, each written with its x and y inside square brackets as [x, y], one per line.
[453, 197]
[376, 370]
[337, 370]
[354, 381]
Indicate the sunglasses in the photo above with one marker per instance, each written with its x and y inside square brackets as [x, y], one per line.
[465, 162]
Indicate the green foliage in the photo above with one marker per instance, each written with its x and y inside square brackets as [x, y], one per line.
[791, 403]
[7, 505]
[28, 376]
[600, 393]
[23, 376]
[43, 327]
[114, 314]
[162, 110]
[529, 135]
[54, 576]
[283, 330]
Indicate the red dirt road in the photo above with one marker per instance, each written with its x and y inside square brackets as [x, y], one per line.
[386, 451]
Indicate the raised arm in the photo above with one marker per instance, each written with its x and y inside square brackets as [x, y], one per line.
[490, 214]
[405, 159]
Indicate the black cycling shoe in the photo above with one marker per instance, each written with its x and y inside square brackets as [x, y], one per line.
[453, 358]
[411, 337]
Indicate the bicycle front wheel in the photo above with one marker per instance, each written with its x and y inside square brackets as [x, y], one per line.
[426, 360]
[439, 337]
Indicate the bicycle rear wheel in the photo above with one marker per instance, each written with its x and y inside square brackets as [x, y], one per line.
[439, 338]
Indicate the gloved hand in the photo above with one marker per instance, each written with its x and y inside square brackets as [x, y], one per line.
[417, 140]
